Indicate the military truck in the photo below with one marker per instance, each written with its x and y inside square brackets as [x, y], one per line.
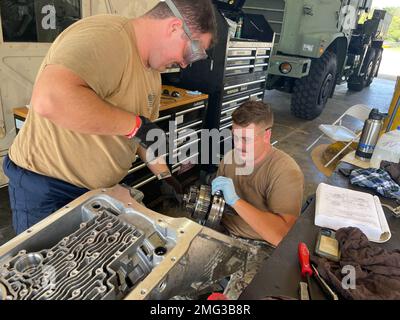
[319, 44]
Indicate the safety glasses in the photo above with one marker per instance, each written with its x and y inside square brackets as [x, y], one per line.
[194, 52]
[248, 136]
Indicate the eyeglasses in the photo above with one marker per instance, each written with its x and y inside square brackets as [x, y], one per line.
[248, 139]
[194, 52]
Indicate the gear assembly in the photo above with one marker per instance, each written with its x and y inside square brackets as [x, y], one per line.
[205, 208]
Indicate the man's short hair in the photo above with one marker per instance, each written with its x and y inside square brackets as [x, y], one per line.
[256, 112]
[199, 15]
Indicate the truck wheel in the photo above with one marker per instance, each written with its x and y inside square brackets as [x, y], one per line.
[311, 93]
[357, 83]
[377, 64]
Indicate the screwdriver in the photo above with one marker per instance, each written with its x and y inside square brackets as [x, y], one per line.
[304, 259]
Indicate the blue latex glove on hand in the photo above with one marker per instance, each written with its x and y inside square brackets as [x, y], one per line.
[228, 189]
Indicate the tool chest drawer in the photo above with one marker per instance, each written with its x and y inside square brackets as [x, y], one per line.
[189, 115]
[243, 88]
[182, 121]
[164, 122]
[245, 57]
[239, 61]
[238, 70]
[233, 103]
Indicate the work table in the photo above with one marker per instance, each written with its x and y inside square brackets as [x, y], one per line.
[280, 274]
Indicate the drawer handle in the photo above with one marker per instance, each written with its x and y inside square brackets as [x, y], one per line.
[162, 119]
[176, 170]
[240, 58]
[187, 136]
[262, 57]
[143, 165]
[186, 145]
[141, 184]
[226, 119]
[256, 94]
[236, 100]
[261, 65]
[190, 110]
[189, 126]
[241, 49]
[229, 110]
[183, 161]
[226, 127]
[244, 84]
[240, 67]
[226, 139]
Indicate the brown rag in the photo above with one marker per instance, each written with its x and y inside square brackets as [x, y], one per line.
[393, 169]
[377, 270]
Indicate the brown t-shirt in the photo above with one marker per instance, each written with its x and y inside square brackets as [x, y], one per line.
[276, 185]
[102, 51]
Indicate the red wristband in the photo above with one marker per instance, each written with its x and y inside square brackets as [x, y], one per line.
[131, 134]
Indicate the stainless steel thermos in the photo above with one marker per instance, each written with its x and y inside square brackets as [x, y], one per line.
[370, 135]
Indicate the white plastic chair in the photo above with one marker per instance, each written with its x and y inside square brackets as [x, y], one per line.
[337, 132]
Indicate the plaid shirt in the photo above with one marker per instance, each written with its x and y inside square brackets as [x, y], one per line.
[376, 179]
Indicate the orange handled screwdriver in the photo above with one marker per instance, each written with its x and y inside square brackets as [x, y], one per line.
[304, 259]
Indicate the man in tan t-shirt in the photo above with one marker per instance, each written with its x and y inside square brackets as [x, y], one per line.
[263, 184]
[267, 195]
[95, 96]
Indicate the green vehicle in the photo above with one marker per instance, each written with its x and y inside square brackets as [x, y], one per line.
[319, 44]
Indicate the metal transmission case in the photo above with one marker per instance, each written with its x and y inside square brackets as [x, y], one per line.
[107, 246]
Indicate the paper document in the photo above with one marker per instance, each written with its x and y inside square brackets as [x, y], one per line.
[339, 208]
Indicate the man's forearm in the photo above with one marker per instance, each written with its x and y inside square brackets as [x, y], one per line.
[271, 227]
[157, 166]
[64, 99]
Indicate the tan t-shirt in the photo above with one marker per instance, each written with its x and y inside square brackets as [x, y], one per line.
[102, 51]
[276, 185]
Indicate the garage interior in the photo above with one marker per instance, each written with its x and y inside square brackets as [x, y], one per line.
[290, 134]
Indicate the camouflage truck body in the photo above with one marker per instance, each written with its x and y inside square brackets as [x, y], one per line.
[320, 43]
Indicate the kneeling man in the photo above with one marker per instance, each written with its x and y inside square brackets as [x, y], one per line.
[263, 184]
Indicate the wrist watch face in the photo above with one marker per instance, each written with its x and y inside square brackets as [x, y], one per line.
[164, 175]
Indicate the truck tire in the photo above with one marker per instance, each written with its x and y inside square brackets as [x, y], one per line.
[377, 64]
[311, 93]
[357, 83]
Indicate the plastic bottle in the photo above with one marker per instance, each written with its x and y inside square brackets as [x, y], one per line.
[387, 148]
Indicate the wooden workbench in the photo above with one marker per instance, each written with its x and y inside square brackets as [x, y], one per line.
[167, 102]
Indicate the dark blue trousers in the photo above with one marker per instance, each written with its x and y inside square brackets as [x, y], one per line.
[34, 197]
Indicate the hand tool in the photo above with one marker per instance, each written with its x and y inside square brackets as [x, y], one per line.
[168, 98]
[393, 211]
[303, 288]
[328, 291]
[304, 259]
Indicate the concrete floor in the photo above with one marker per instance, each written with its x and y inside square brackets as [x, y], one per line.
[293, 135]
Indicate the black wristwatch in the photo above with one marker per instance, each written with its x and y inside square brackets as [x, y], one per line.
[164, 175]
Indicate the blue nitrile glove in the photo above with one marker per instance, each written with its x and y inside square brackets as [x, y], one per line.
[228, 189]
